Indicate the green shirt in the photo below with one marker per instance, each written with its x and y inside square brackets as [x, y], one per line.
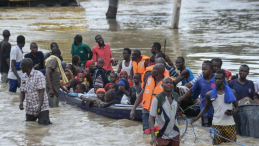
[82, 51]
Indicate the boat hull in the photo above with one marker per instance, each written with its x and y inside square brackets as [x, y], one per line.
[117, 112]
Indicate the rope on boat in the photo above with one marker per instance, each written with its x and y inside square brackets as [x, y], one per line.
[212, 131]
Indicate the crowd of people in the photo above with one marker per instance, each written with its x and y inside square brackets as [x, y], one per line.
[140, 79]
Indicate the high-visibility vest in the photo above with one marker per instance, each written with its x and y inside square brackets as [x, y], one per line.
[151, 90]
[140, 67]
[166, 73]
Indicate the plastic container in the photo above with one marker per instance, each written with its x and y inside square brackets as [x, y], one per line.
[247, 120]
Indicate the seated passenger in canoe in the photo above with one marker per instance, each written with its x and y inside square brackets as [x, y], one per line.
[92, 93]
[71, 68]
[72, 85]
[80, 89]
[113, 79]
[124, 74]
[66, 87]
[78, 70]
[89, 73]
[101, 72]
[109, 87]
[102, 99]
[80, 78]
[76, 61]
[135, 89]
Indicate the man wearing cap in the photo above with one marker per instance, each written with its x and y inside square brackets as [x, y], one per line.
[5, 49]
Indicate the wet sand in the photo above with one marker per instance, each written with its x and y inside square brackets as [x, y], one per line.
[226, 29]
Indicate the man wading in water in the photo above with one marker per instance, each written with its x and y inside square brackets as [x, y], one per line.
[163, 110]
[223, 100]
[151, 88]
[33, 88]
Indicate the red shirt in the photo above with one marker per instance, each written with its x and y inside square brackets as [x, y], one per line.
[104, 53]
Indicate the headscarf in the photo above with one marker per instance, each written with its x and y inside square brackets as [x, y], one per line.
[107, 86]
[130, 83]
[77, 78]
[88, 63]
[118, 94]
[100, 89]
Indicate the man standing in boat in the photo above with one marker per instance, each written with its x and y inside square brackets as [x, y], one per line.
[151, 88]
[81, 49]
[103, 50]
[126, 64]
[155, 49]
[223, 100]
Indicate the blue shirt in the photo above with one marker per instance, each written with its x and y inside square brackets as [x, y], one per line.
[246, 90]
[39, 59]
[189, 78]
[203, 86]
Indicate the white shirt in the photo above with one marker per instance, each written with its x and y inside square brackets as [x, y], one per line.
[219, 116]
[16, 54]
[170, 112]
[127, 69]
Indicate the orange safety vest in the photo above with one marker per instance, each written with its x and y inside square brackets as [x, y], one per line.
[150, 92]
[166, 73]
[140, 67]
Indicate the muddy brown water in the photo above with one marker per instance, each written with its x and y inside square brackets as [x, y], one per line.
[226, 29]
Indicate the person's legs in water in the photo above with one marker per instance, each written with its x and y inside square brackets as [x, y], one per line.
[44, 118]
[13, 84]
[31, 117]
[4, 78]
[53, 101]
[145, 118]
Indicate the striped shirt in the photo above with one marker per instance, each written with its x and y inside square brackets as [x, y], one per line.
[196, 78]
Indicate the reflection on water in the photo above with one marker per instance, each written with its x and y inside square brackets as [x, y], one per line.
[226, 29]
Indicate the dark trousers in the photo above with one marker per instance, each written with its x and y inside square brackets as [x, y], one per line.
[145, 118]
[43, 118]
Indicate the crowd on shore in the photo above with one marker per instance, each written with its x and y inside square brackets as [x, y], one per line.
[151, 81]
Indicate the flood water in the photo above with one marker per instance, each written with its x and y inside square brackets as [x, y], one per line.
[224, 28]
